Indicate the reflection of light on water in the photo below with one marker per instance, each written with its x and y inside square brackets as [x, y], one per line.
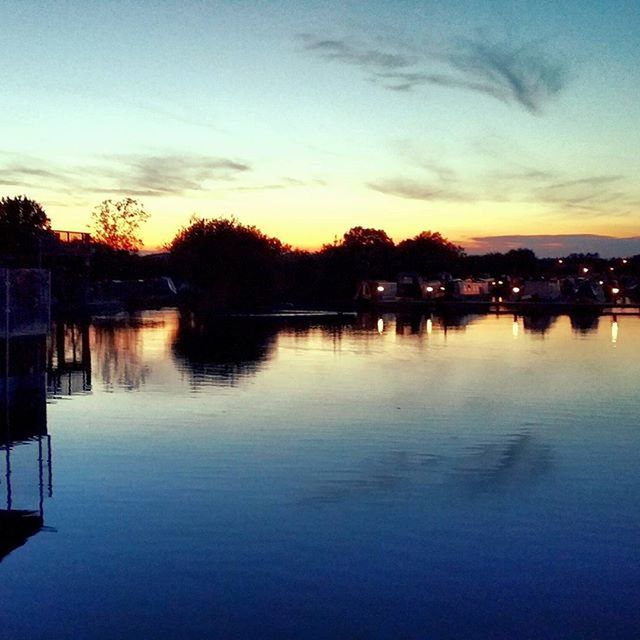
[614, 331]
[380, 325]
[515, 327]
[429, 326]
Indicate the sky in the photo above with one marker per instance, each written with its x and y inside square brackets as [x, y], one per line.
[496, 123]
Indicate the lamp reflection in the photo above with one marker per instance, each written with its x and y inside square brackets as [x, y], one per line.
[380, 325]
[614, 330]
[515, 327]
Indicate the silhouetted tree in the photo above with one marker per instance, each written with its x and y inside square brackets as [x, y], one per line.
[363, 253]
[24, 226]
[116, 224]
[428, 253]
[229, 264]
[516, 262]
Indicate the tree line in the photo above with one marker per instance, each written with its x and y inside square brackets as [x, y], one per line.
[222, 263]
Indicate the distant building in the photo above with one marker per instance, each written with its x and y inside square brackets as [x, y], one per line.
[377, 291]
[470, 288]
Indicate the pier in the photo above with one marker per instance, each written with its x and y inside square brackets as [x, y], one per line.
[24, 320]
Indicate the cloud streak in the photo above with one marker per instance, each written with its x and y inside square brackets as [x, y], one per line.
[561, 194]
[415, 190]
[172, 174]
[523, 74]
[132, 174]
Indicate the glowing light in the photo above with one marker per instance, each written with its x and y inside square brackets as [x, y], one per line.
[561, 261]
[585, 269]
[442, 289]
[516, 289]
[610, 268]
[380, 325]
[429, 326]
[429, 289]
[500, 282]
[624, 261]
[614, 331]
[600, 282]
[380, 288]
[493, 282]
[615, 291]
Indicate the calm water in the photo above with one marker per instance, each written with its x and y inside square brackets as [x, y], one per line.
[367, 478]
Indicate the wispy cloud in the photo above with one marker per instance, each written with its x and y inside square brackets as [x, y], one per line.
[131, 174]
[597, 195]
[524, 74]
[521, 74]
[284, 183]
[173, 174]
[559, 193]
[416, 190]
[355, 54]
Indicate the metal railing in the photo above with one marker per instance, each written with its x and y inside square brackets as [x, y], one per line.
[73, 236]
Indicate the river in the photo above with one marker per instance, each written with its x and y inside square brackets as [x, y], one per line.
[332, 477]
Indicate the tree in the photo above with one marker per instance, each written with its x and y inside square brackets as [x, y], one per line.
[230, 265]
[428, 253]
[24, 225]
[117, 224]
[361, 238]
[363, 253]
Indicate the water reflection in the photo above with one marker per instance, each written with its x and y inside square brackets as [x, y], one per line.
[117, 347]
[69, 358]
[415, 323]
[25, 446]
[518, 459]
[355, 469]
[515, 460]
[222, 351]
[539, 323]
[584, 322]
[22, 387]
[410, 324]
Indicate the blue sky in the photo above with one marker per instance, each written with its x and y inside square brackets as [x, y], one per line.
[306, 118]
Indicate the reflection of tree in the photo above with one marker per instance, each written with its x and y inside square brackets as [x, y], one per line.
[584, 322]
[538, 323]
[450, 319]
[222, 350]
[117, 348]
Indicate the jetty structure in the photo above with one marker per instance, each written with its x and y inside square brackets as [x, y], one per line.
[25, 304]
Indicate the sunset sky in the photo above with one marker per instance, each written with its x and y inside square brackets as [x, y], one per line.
[475, 119]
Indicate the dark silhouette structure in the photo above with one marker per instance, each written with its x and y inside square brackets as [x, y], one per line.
[24, 321]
